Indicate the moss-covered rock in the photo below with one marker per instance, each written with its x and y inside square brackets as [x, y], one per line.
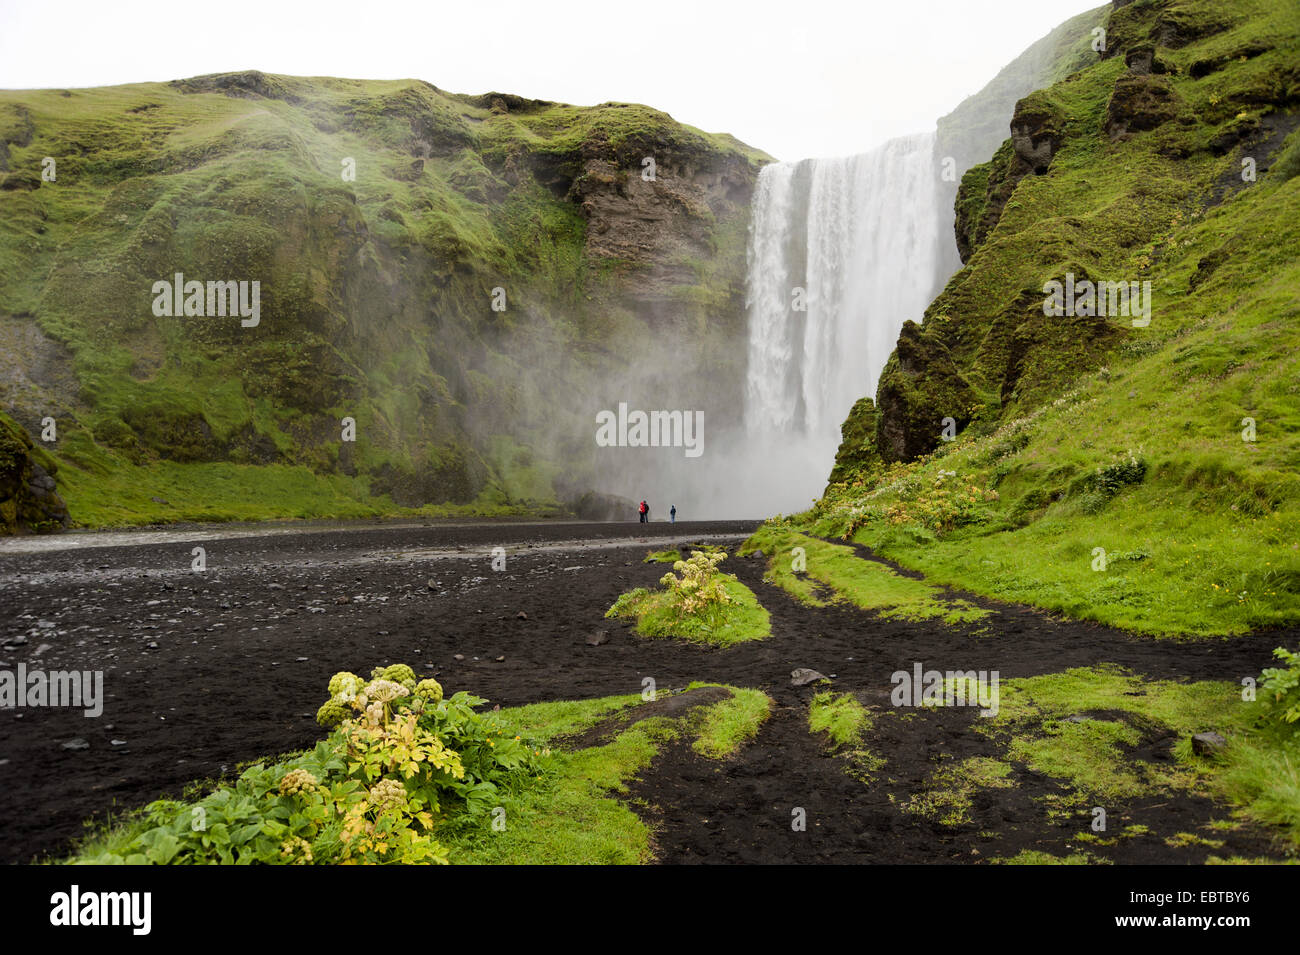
[857, 451]
[920, 387]
[28, 500]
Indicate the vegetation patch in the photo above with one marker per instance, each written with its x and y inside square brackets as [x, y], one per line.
[418, 778]
[1113, 737]
[399, 760]
[699, 604]
[808, 568]
[947, 795]
[662, 557]
[845, 722]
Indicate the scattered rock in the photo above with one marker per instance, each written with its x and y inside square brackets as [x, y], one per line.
[803, 676]
[597, 638]
[431, 584]
[345, 599]
[157, 500]
[501, 659]
[118, 742]
[521, 616]
[302, 660]
[77, 743]
[1208, 744]
[275, 587]
[458, 656]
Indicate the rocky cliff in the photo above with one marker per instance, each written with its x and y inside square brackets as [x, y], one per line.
[465, 279]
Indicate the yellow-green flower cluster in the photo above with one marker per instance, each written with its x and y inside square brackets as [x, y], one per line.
[387, 794]
[397, 673]
[345, 684]
[700, 584]
[333, 712]
[430, 690]
[296, 781]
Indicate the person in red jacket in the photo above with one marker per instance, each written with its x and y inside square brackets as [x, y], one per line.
[645, 512]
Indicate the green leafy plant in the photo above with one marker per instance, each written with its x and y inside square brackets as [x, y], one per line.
[1281, 686]
[399, 762]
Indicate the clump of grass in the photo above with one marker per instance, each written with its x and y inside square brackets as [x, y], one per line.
[1034, 857]
[842, 718]
[845, 721]
[662, 557]
[729, 724]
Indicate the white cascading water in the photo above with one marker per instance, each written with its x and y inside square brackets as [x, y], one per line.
[861, 236]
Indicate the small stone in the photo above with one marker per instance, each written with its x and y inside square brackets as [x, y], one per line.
[501, 659]
[758, 554]
[803, 676]
[275, 587]
[157, 500]
[153, 645]
[225, 605]
[302, 660]
[432, 584]
[597, 638]
[41, 649]
[1208, 744]
[168, 585]
[345, 599]
[77, 743]
[118, 742]
[458, 656]
[521, 616]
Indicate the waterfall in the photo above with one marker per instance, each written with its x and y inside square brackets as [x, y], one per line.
[841, 253]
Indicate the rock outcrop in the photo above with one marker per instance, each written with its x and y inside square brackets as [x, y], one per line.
[29, 502]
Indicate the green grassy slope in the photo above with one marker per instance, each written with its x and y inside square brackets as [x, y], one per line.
[1174, 447]
[377, 289]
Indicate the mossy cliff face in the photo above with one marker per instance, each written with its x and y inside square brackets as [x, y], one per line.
[28, 502]
[1098, 175]
[1142, 470]
[466, 278]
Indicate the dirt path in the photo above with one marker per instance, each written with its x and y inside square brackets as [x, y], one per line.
[202, 671]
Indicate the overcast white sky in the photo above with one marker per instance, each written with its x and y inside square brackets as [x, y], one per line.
[796, 78]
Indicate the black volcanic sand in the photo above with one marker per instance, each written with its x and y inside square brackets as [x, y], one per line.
[203, 671]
